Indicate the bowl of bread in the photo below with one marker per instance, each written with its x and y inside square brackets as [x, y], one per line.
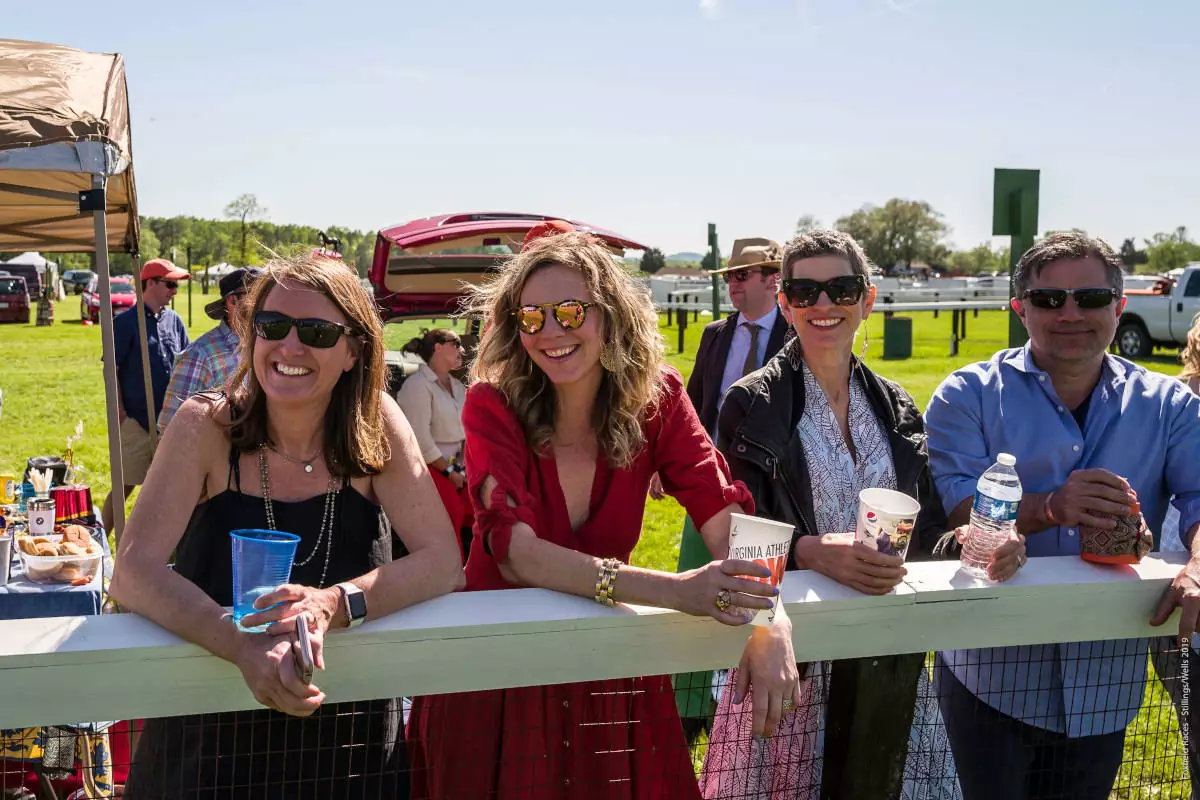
[72, 557]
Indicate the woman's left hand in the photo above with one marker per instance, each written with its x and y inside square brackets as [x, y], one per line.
[1008, 558]
[768, 668]
[321, 605]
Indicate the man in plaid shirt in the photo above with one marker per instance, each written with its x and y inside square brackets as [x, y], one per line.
[210, 360]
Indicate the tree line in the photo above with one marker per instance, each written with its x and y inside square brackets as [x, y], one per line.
[243, 238]
[902, 234]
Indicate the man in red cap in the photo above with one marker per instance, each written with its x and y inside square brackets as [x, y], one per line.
[167, 337]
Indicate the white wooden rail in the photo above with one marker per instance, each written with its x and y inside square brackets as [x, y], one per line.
[880, 305]
[78, 669]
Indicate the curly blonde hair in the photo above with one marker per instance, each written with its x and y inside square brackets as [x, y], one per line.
[629, 330]
[1191, 353]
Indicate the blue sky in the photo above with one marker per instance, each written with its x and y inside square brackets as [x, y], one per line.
[655, 117]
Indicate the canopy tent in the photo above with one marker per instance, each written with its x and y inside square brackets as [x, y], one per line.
[31, 259]
[66, 176]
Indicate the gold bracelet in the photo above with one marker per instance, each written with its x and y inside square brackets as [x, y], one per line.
[606, 580]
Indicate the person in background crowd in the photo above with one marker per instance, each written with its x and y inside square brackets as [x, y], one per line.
[733, 347]
[209, 361]
[1097, 437]
[571, 411]
[806, 434]
[167, 337]
[304, 440]
[432, 400]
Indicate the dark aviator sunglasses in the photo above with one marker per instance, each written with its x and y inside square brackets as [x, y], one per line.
[844, 290]
[1054, 299]
[320, 333]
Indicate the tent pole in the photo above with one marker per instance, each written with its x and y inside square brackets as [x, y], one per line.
[151, 417]
[109, 349]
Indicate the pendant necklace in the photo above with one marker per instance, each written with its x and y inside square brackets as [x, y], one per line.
[326, 531]
[303, 462]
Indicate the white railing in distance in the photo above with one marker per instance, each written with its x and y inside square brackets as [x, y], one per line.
[125, 667]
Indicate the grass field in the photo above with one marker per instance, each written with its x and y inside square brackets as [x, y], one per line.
[51, 378]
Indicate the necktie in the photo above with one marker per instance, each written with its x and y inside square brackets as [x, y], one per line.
[751, 356]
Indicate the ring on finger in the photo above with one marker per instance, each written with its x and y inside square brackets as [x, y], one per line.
[724, 600]
[788, 704]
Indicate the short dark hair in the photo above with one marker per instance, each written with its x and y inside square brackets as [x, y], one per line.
[1061, 247]
[826, 243]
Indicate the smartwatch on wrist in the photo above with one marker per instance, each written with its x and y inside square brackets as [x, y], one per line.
[355, 603]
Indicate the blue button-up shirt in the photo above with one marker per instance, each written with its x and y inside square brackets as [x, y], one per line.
[167, 337]
[1141, 426]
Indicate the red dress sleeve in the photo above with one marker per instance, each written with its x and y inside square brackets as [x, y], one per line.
[691, 468]
[495, 446]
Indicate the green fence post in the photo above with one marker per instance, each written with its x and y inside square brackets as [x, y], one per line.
[1014, 214]
[716, 260]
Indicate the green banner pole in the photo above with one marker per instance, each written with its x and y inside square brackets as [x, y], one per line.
[1014, 214]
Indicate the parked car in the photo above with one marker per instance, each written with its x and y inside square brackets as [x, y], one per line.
[123, 296]
[1159, 316]
[76, 281]
[33, 281]
[420, 268]
[14, 299]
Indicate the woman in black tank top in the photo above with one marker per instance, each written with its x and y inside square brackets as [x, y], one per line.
[310, 444]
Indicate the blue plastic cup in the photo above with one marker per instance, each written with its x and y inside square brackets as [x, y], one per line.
[262, 562]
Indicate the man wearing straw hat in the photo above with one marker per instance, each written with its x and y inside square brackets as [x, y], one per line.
[729, 349]
[211, 359]
[166, 337]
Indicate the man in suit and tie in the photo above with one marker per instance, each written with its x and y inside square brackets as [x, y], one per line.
[729, 348]
[742, 342]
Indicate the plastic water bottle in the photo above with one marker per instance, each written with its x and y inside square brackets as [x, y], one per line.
[994, 514]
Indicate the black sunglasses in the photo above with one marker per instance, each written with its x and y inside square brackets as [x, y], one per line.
[844, 290]
[170, 284]
[273, 326]
[1053, 299]
[740, 275]
[569, 313]
[456, 342]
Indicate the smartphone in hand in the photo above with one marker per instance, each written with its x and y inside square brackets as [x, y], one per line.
[302, 652]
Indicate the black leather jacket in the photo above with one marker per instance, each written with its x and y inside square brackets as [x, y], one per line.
[756, 431]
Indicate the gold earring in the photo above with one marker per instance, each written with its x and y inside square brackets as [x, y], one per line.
[866, 341]
[608, 358]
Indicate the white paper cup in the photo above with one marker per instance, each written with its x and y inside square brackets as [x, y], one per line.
[766, 542]
[887, 521]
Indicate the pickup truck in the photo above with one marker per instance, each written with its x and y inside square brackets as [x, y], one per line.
[1160, 316]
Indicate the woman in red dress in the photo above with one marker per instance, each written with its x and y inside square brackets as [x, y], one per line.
[572, 412]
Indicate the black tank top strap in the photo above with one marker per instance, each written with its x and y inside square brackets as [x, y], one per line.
[234, 481]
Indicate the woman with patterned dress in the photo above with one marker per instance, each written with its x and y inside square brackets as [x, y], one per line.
[571, 412]
[309, 443]
[807, 433]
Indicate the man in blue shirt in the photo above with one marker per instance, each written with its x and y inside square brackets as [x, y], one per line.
[1092, 434]
[167, 337]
